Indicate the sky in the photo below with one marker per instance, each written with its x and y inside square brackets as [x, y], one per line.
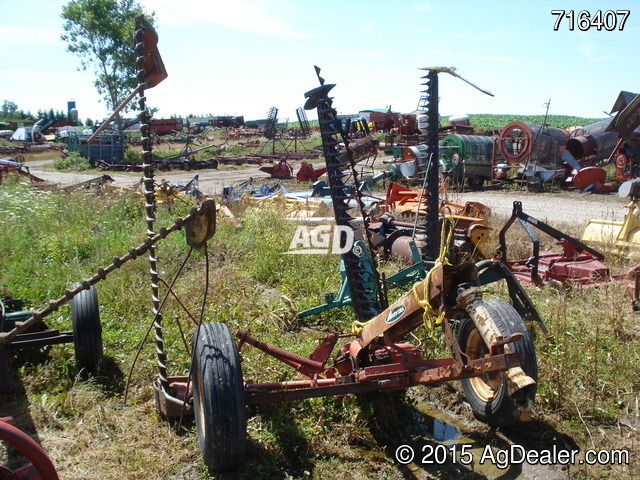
[242, 57]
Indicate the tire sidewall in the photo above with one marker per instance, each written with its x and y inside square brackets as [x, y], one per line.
[218, 397]
[501, 409]
[87, 329]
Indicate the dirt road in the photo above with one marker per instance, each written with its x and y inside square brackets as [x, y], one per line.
[211, 181]
[567, 207]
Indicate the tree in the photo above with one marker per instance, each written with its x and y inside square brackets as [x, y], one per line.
[9, 108]
[100, 32]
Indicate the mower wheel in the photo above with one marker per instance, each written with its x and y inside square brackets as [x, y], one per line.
[87, 330]
[218, 397]
[487, 395]
[41, 466]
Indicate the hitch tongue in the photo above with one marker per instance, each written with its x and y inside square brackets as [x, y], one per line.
[471, 300]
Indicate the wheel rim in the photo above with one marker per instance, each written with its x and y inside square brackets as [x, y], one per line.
[199, 410]
[486, 386]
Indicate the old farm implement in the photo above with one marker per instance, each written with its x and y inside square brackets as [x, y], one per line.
[576, 264]
[490, 349]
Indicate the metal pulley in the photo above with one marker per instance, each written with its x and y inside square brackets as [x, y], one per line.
[201, 226]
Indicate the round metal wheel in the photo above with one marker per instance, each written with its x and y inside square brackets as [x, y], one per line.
[218, 398]
[87, 330]
[41, 466]
[487, 394]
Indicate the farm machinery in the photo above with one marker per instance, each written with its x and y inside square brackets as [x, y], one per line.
[19, 331]
[491, 351]
[620, 235]
[16, 165]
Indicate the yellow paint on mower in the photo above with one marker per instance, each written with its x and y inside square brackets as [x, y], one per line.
[616, 235]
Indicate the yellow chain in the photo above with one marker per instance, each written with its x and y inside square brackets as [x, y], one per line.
[433, 316]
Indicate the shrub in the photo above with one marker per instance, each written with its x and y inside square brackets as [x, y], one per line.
[73, 161]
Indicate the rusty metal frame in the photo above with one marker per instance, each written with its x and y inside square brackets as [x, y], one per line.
[530, 269]
[322, 380]
[380, 378]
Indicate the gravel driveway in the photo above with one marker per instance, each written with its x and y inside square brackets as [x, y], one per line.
[567, 207]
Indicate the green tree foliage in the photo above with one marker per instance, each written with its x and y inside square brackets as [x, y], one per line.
[9, 107]
[100, 32]
[10, 111]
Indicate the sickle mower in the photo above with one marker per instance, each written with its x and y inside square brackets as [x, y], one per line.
[491, 351]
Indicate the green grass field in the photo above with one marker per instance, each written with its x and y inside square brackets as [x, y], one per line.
[588, 389]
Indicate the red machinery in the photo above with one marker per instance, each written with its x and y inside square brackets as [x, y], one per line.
[280, 169]
[40, 468]
[10, 165]
[165, 126]
[308, 173]
[491, 350]
[577, 263]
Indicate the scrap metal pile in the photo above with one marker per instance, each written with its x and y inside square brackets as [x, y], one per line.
[535, 154]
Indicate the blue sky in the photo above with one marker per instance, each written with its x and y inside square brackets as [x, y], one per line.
[242, 57]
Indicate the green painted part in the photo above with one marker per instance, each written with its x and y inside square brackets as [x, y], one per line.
[406, 276]
[474, 155]
[468, 147]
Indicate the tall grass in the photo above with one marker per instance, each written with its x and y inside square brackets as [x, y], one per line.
[588, 386]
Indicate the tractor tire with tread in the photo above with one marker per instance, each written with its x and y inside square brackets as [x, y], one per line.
[218, 397]
[87, 330]
[487, 395]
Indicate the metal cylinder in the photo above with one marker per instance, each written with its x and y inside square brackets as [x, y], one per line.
[468, 154]
[520, 142]
[401, 247]
[418, 153]
[592, 141]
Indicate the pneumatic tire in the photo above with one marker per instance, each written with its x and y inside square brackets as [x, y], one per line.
[87, 330]
[487, 395]
[218, 398]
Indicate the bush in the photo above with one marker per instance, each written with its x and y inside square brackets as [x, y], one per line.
[132, 157]
[73, 161]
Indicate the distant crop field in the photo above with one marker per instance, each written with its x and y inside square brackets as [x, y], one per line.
[486, 121]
